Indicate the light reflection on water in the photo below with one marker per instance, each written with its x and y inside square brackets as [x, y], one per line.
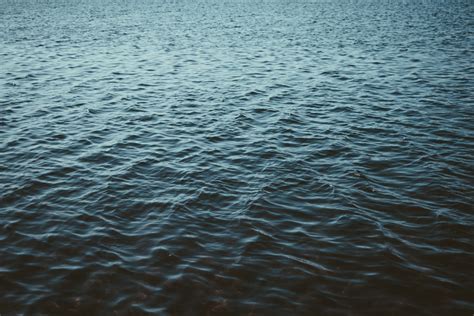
[236, 157]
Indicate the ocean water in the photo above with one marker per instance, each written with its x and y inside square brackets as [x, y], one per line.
[236, 157]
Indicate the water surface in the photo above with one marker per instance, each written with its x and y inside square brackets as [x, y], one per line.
[236, 157]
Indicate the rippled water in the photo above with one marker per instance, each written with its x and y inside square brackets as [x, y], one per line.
[237, 157]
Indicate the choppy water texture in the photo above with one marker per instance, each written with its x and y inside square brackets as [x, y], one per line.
[237, 157]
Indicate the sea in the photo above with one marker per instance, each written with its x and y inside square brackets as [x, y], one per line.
[236, 157]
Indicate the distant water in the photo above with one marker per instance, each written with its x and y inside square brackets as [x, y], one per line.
[237, 157]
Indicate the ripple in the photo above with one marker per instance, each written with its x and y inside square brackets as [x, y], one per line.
[236, 157]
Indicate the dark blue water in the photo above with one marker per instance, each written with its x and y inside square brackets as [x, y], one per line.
[237, 157]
